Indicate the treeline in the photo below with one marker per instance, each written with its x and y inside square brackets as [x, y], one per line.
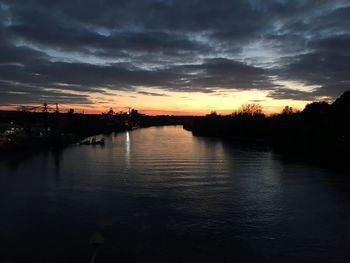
[321, 131]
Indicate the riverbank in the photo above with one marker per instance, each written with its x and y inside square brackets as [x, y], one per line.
[320, 133]
[27, 132]
[31, 132]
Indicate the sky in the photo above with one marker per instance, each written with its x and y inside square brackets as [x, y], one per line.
[173, 56]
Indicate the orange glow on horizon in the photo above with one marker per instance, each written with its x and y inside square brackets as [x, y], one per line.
[178, 103]
[154, 112]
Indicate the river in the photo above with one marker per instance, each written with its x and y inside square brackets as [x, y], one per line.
[161, 194]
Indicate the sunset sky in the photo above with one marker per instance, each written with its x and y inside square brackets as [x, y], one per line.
[173, 57]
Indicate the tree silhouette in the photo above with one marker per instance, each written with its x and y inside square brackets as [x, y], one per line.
[287, 110]
[250, 109]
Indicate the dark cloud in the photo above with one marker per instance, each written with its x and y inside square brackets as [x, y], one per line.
[257, 101]
[339, 44]
[327, 68]
[14, 93]
[58, 49]
[205, 76]
[151, 93]
[283, 93]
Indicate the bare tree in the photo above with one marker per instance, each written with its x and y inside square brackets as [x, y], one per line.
[250, 109]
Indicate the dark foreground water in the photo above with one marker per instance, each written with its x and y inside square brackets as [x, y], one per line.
[160, 194]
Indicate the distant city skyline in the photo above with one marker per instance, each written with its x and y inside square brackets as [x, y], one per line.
[173, 57]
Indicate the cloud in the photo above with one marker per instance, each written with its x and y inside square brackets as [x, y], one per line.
[79, 47]
[326, 68]
[283, 93]
[13, 93]
[151, 94]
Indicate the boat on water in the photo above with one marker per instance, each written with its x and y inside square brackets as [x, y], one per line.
[98, 142]
[93, 141]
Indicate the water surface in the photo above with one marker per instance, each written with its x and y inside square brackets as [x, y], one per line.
[160, 194]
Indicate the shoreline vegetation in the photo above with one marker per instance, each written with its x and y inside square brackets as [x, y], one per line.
[319, 133]
[25, 132]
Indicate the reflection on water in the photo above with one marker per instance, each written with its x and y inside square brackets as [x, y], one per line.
[161, 194]
[127, 149]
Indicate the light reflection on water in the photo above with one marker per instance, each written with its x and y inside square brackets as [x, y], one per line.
[127, 149]
[161, 194]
